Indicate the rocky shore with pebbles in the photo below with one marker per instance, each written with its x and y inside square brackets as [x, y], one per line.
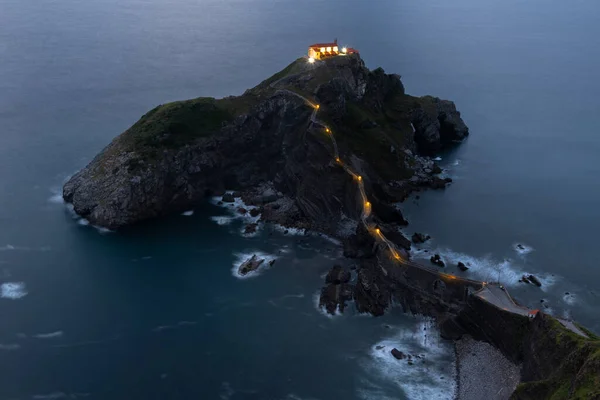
[483, 372]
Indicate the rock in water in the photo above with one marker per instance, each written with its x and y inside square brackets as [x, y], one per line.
[250, 228]
[398, 354]
[250, 265]
[420, 238]
[334, 297]
[462, 266]
[437, 260]
[534, 280]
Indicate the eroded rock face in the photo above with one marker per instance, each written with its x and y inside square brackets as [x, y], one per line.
[334, 297]
[337, 275]
[437, 125]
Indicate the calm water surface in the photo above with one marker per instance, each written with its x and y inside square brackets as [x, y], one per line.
[155, 311]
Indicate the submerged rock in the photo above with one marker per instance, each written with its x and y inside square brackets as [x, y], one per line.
[462, 266]
[250, 265]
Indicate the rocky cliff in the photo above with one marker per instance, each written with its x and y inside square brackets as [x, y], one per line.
[263, 144]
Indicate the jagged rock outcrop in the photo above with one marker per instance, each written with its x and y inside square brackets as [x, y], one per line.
[437, 125]
[178, 153]
[420, 238]
[250, 265]
[337, 275]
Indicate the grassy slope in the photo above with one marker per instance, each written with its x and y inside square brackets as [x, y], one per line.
[578, 376]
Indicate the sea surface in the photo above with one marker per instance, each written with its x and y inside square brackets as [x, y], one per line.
[157, 311]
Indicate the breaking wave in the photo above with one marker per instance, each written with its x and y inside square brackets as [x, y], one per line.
[429, 374]
[484, 268]
[13, 290]
[50, 335]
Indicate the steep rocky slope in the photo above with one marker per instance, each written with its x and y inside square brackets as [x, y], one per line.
[178, 153]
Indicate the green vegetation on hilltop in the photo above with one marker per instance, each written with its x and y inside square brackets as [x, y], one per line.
[177, 123]
[577, 376]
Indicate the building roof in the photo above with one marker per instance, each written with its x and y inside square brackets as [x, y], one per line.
[319, 45]
[350, 50]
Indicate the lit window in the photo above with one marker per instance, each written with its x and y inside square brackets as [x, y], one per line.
[322, 49]
[329, 49]
[344, 50]
[335, 49]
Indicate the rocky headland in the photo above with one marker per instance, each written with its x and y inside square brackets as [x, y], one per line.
[264, 146]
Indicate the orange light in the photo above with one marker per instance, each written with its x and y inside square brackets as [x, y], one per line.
[359, 177]
[367, 204]
[377, 230]
[327, 130]
[318, 106]
[337, 159]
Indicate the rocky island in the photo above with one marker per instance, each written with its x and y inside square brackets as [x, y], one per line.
[267, 146]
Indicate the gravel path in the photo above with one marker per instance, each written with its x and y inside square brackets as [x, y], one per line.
[483, 372]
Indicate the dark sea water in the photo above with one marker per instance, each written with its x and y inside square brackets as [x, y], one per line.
[155, 312]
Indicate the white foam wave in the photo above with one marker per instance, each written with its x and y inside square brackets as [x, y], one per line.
[178, 325]
[13, 290]
[430, 374]
[437, 159]
[188, 213]
[83, 221]
[522, 249]
[484, 268]
[456, 162]
[289, 231]
[222, 219]
[57, 198]
[569, 298]
[293, 296]
[50, 335]
[7, 247]
[241, 257]
[10, 346]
